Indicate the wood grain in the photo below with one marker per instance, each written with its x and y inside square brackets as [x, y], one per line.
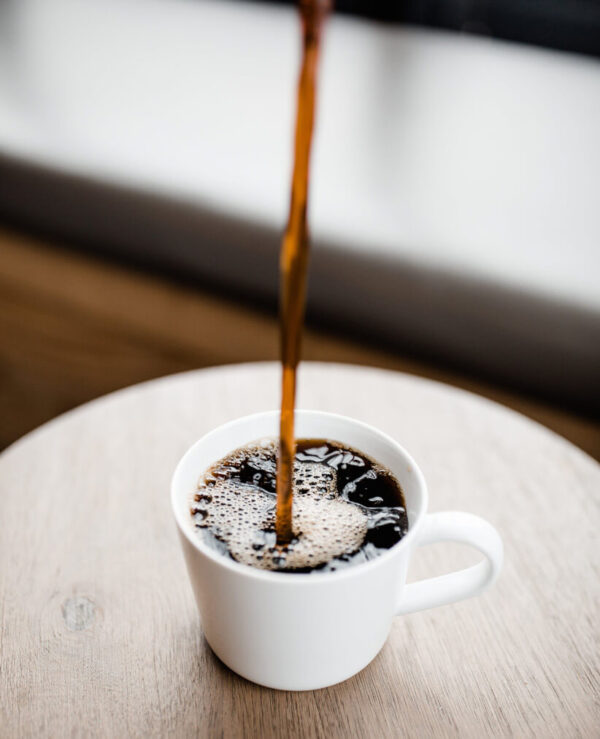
[73, 327]
[101, 637]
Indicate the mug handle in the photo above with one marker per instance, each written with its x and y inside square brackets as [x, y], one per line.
[464, 528]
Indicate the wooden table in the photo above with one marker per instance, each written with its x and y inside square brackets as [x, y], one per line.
[100, 633]
[74, 327]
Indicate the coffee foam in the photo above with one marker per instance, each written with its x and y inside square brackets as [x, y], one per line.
[243, 516]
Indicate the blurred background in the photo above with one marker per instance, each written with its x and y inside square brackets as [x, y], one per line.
[145, 156]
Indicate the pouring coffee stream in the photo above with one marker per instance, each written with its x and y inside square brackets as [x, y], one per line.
[294, 261]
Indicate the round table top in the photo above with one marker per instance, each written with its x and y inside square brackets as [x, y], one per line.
[100, 632]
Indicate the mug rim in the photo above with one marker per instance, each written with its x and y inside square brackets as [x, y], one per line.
[302, 577]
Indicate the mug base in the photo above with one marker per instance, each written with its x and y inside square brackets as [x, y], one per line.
[297, 685]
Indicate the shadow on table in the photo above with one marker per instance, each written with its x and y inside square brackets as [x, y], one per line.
[360, 706]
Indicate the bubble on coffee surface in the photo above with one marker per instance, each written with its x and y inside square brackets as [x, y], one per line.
[334, 523]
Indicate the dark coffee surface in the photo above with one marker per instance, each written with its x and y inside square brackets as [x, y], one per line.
[347, 508]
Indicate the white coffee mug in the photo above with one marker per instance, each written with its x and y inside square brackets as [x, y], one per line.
[308, 631]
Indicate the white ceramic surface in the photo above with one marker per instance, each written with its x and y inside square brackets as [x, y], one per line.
[308, 631]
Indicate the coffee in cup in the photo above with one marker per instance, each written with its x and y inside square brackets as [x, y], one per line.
[348, 508]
